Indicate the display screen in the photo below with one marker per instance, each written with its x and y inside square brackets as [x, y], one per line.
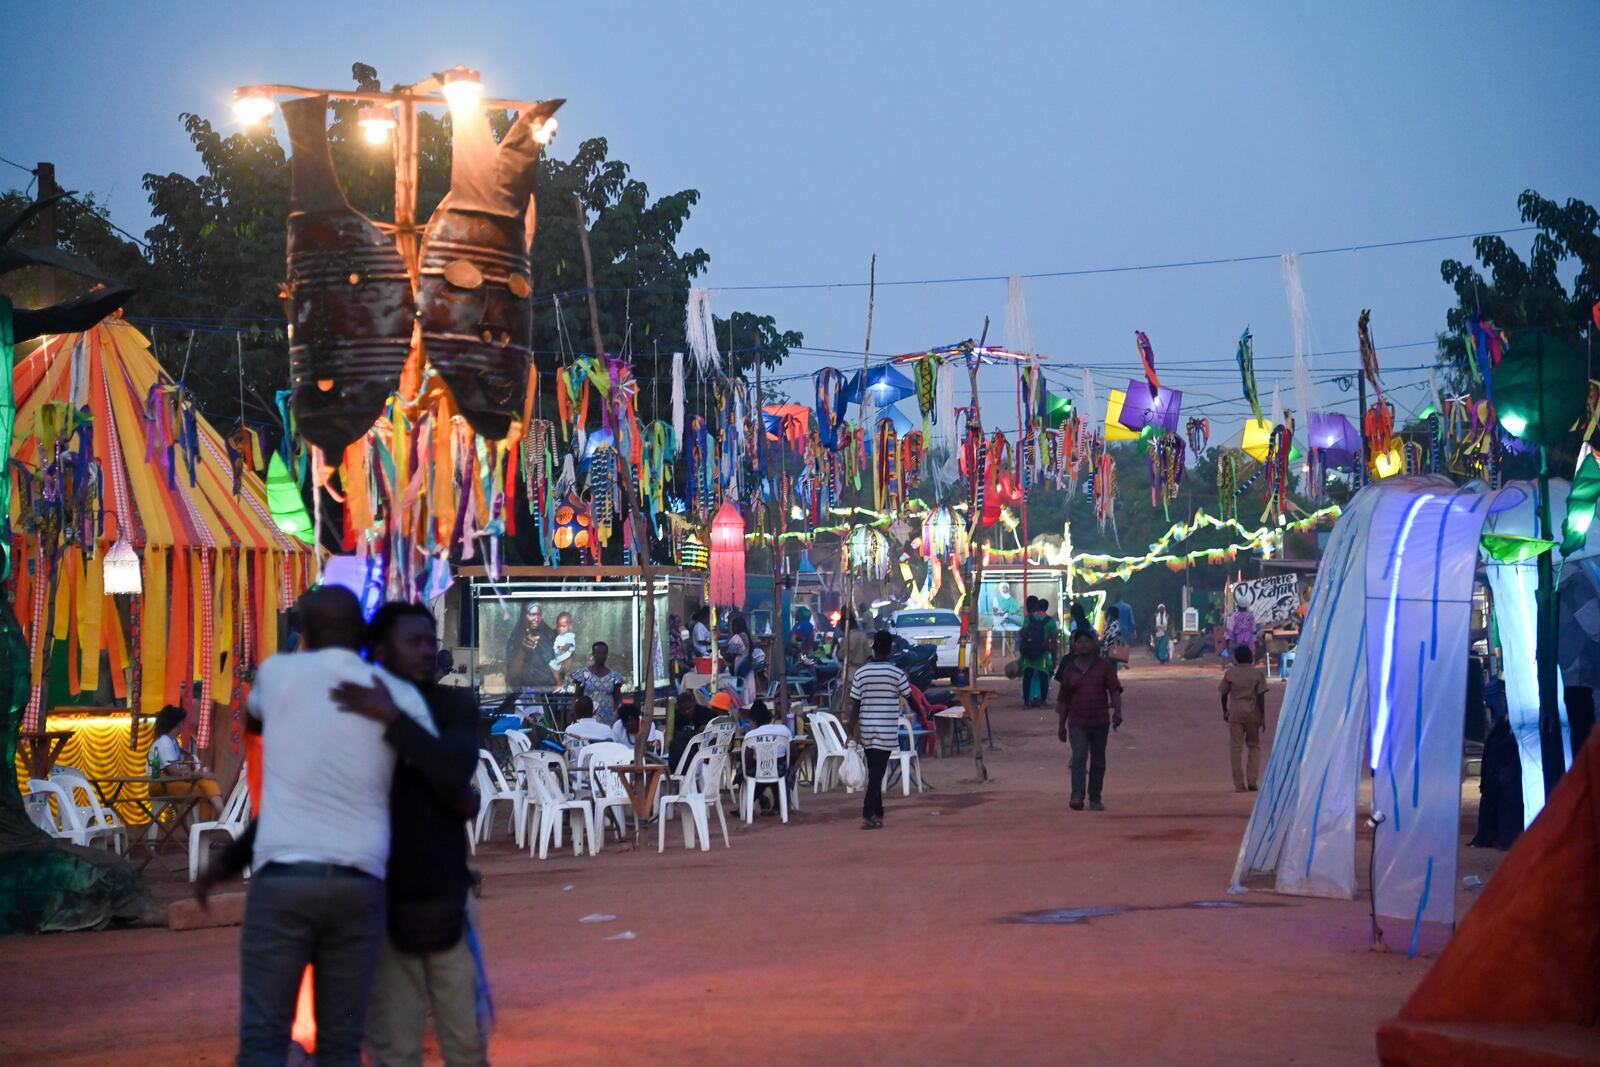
[537, 640]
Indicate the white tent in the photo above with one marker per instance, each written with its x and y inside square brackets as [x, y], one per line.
[1381, 672]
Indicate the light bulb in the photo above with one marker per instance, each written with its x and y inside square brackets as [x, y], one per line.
[1515, 424]
[462, 88]
[375, 123]
[546, 131]
[251, 105]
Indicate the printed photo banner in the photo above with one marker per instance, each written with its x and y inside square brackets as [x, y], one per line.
[1271, 600]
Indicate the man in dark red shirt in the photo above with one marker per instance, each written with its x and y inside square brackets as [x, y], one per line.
[1090, 707]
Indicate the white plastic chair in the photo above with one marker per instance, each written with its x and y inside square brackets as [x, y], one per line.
[763, 758]
[68, 826]
[235, 816]
[90, 811]
[551, 806]
[494, 789]
[904, 759]
[828, 733]
[607, 788]
[701, 793]
[519, 742]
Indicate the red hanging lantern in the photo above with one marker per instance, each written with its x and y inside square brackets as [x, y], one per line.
[727, 556]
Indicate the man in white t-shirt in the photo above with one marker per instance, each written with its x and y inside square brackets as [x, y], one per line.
[322, 838]
[761, 727]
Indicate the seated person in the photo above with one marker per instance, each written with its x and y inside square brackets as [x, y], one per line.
[168, 758]
[693, 718]
[625, 731]
[584, 724]
[763, 726]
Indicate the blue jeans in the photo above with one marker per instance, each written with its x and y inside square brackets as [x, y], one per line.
[308, 913]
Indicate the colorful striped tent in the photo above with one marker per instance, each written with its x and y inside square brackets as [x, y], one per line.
[147, 468]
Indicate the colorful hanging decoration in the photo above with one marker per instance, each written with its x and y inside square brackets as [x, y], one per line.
[944, 536]
[1486, 346]
[1247, 372]
[867, 553]
[1105, 489]
[1165, 459]
[1279, 453]
[888, 490]
[830, 405]
[1199, 432]
[1143, 405]
[1228, 485]
[1116, 430]
[912, 454]
[1147, 356]
[284, 502]
[574, 526]
[926, 370]
[726, 586]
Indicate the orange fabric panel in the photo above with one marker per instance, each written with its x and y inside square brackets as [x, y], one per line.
[90, 607]
[152, 647]
[177, 628]
[116, 645]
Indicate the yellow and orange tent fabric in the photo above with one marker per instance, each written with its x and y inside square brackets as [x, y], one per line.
[216, 571]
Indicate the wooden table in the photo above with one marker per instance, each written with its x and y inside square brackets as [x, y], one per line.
[111, 792]
[642, 781]
[975, 701]
[41, 747]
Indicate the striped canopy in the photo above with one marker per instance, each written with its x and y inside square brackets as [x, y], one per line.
[216, 571]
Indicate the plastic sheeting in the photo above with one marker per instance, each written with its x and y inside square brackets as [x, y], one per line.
[1303, 825]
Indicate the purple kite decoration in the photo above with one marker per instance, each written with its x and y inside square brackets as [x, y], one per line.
[1335, 436]
[1143, 406]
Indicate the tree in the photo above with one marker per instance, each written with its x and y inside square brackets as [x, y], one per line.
[1522, 295]
[215, 258]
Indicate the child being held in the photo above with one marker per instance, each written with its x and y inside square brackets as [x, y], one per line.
[565, 647]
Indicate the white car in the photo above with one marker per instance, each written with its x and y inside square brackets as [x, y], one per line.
[937, 627]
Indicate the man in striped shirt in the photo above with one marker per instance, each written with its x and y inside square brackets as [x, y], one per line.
[875, 695]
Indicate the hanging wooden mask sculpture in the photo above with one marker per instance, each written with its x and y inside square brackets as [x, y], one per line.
[348, 296]
[474, 295]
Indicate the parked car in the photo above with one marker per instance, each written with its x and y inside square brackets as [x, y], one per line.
[937, 628]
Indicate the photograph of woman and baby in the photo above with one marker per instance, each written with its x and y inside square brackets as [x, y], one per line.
[539, 655]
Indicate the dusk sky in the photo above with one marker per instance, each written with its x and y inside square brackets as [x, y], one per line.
[952, 140]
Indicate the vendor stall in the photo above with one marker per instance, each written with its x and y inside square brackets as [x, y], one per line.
[147, 567]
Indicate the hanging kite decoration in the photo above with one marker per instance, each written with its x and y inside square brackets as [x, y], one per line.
[944, 536]
[1199, 433]
[1377, 420]
[1228, 485]
[1247, 372]
[867, 553]
[1165, 458]
[1486, 347]
[926, 371]
[1147, 356]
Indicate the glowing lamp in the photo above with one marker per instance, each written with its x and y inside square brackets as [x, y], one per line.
[122, 570]
[1388, 464]
[1335, 436]
[1541, 388]
[546, 131]
[1581, 503]
[727, 556]
[251, 105]
[375, 123]
[574, 526]
[284, 502]
[462, 88]
[944, 534]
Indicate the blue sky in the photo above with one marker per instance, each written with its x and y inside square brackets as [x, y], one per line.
[951, 140]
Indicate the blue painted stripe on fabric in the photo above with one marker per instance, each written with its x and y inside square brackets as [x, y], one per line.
[1422, 906]
[1416, 745]
[1316, 818]
[1394, 791]
[1302, 727]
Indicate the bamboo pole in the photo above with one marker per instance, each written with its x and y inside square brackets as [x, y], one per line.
[635, 516]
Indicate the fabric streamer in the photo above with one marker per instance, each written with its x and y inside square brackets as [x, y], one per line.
[1147, 356]
[701, 330]
[829, 385]
[677, 396]
[1199, 432]
[947, 442]
[1227, 486]
[1305, 396]
[1247, 371]
[927, 382]
[1018, 336]
[1486, 346]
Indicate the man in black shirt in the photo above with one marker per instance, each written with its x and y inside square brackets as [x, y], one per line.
[428, 960]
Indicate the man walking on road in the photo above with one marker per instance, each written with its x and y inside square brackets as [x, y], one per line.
[1090, 707]
[1244, 709]
[875, 696]
[427, 961]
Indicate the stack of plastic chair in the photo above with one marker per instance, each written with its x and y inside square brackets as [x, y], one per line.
[494, 789]
[828, 733]
[551, 806]
[91, 813]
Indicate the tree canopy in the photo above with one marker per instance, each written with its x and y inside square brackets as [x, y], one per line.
[213, 260]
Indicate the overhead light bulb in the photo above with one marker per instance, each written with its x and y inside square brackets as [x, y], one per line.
[375, 123]
[252, 105]
[462, 88]
[1515, 424]
[546, 131]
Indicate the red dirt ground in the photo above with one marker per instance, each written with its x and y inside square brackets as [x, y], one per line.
[817, 943]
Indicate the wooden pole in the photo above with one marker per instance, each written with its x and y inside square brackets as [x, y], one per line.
[974, 361]
[635, 517]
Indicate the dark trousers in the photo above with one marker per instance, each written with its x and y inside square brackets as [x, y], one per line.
[877, 767]
[1580, 715]
[1088, 754]
[307, 913]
